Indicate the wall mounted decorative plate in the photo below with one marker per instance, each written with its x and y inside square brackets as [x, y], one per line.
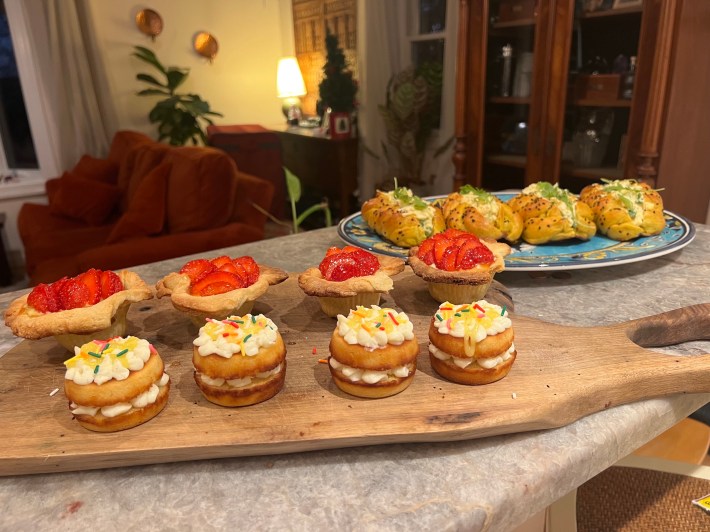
[149, 22]
[206, 45]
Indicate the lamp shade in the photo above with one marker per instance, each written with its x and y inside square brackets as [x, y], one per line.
[289, 81]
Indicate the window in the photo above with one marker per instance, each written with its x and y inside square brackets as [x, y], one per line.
[18, 147]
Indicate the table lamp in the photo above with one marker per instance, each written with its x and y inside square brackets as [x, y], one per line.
[290, 87]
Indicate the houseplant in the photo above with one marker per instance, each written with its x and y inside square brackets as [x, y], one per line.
[178, 115]
[337, 89]
[410, 114]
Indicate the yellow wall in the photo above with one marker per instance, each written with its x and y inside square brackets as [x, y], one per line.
[240, 83]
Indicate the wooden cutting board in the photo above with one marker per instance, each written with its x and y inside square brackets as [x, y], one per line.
[561, 374]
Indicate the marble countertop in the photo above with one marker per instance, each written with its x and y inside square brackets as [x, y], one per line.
[492, 483]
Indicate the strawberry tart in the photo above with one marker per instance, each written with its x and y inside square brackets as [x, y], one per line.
[349, 277]
[77, 309]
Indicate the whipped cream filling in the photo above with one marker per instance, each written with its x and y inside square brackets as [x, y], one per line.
[102, 361]
[370, 376]
[239, 383]
[374, 327]
[140, 401]
[463, 363]
[236, 335]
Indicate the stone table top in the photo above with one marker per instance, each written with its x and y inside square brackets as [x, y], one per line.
[492, 483]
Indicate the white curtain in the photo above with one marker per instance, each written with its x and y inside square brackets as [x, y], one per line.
[378, 51]
[80, 119]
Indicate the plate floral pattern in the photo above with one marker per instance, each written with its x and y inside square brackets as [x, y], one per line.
[569, 255]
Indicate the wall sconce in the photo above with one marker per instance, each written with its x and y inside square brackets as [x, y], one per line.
[206, 45]
[290, 87]
[149, 22]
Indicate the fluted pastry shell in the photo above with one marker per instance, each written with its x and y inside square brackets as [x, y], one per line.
[218, 306]
[26, 322]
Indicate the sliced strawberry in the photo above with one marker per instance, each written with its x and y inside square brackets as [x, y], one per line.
[339, 267]
[332, 250]
[217, 282]
[251, 268]
[350, 249]
[448, 261]
[74, 294]
[92, 280]
[43, 299]
[110, 284]
[451, 233]
[440, 246]
[472, 256]
[219, 261]
[367, 262]
[228, 267]
[197, 269]
[425, 248]
[428, 258]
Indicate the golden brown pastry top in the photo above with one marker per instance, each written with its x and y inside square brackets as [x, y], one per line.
[551, 213]
[402, 217]
[31, 324]
[481, 213]
[625, 209]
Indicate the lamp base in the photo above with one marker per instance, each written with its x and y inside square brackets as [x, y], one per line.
[291, 109]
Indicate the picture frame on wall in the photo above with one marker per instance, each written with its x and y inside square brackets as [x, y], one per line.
[619, 4]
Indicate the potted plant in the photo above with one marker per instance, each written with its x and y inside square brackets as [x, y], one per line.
[178, 115]
[337, 89]
[411, 113]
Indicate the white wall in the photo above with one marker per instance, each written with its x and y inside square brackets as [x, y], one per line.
[240, 83]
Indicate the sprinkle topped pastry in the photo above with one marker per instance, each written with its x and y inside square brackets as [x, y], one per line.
[375, 327]
[100, 361]
[471, 343]
[472, 322]
[236, 334]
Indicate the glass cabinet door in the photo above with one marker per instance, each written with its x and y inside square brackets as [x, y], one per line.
[510, 56]
[603, 70]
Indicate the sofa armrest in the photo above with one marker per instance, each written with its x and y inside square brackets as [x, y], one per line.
[252, 190]
[152, 249]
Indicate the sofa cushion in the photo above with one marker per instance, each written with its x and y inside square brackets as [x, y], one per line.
[138, 163]
[201, 189]
[124, 142]
[86, 200]
[102, 170]
[145, 215]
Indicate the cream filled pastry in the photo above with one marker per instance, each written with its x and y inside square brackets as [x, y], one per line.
[115, 384]
[373, 352]
[471, 343]
[240, 360]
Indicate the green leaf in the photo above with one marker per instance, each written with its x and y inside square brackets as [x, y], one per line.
[293, 185]
[152, 92]
[146, 55]
[150, 79]
[176, 77]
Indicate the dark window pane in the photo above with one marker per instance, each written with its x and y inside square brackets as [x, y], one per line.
[432, 16]
[14, 125]
[428, 52]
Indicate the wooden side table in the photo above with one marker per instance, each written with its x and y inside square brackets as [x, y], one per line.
[325, 166]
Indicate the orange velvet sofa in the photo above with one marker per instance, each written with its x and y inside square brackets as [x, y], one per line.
[145, 202]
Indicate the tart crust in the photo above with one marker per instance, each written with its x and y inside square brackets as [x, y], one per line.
[313, 283]
[218, 306]
[26, 322]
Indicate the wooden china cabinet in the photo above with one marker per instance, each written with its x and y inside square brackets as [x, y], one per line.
[546, 91]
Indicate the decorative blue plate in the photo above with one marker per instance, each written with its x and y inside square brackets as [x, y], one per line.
[569, 255]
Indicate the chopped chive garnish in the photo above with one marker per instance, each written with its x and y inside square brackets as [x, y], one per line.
[97, 355]
[122, 353]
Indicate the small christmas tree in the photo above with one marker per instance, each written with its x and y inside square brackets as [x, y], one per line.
[338, 88]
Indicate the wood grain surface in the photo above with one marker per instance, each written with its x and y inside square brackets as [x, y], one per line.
[561, 374]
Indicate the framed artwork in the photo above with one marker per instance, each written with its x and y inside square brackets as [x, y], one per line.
[618, 4]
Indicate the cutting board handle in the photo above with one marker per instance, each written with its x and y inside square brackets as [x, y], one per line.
[685, 324]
